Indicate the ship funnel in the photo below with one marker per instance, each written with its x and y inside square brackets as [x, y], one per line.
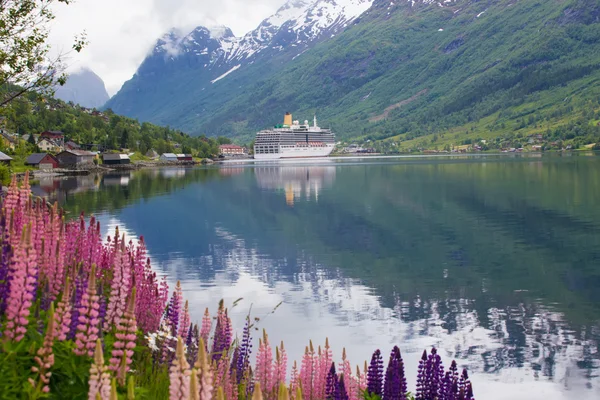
[287, 119]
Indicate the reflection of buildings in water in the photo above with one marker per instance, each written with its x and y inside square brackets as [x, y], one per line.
[230, 171]
[296, 181]
[55, 188]
[172, 172]
[116, 179]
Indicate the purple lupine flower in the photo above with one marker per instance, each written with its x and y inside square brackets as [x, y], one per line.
[340, 392]
[80, 289]
[394, 387]
[331, 384]
[465, 390]
[193, 341]
[5, 256]
[430, 376]
[173, 310]
[222, 338]
[449, 386]
[101, 310]
[375, 374]
[243, 360]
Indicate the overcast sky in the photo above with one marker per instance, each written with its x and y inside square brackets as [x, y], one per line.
[122, 32]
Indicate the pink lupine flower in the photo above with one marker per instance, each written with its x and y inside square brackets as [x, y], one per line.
[184, 324]
[179, 386]
[122, 352]
[87, 329]
[99, 380]
[23, 274]
[206, 326]
[280, 366]
[45, 358]
[307, 371]
[63, 313]
[294, 379]
[264, 361]
[119, 287]
[205, 374]
[322, 369]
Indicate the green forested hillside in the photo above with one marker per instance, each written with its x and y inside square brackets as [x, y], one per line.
[425, 75]
[104, 130]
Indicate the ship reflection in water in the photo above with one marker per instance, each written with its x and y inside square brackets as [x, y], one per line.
[296, 181]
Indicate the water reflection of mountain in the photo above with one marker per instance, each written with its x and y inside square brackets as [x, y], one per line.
[295, 181]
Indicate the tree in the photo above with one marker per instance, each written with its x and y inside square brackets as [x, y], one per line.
[25, 63]
[31, 139]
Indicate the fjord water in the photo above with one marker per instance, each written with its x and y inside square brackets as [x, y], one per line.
[495, 260]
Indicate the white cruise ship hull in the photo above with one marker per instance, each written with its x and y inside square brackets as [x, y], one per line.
[297, 152]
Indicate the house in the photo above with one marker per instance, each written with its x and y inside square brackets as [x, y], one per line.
[75, 158]
[151, 154]
[42, 161]
[8, 141]
[47, 145]
[168, 157]
[231, 150]
[56, 136]
[4, 159]
[115, 159]
[184, 157]
[71, 145]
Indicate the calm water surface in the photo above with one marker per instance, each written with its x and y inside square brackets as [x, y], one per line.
[494, 260]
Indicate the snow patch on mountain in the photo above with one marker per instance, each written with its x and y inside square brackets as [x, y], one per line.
[296, 23]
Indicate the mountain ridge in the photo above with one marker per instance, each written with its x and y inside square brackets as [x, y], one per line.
[83, 87]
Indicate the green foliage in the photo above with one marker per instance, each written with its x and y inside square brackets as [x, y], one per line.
[24, 54]
[5, 174]
[103, 131]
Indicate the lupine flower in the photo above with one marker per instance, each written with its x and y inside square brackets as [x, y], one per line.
[87, 329]
[430, 376]
[119, 287]
[63, 313]
[122, 352]
[222, 337]
[179, 386]
[245, 347]
[80, 289]
[5, 256]
[346, 372]
[184, 324]
[206, 326]
[22, 285]
[205, 375]
[307, 370]
[99, 380]
[45, 358]
[264, 360]
[395, 381]
[280, 367]
[340, 393]
[331, 383]
[294, 379]
[173, 312]
[375, 374]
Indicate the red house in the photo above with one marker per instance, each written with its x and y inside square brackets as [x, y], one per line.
[42, 160]
[184, 157]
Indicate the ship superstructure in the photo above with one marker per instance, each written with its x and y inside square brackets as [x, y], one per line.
[293, 140]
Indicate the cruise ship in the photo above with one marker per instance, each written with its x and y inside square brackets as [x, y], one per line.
[293, 140]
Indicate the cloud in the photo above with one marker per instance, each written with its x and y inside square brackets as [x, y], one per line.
[121, 33]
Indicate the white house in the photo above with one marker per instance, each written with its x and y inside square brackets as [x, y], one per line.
[168, 157]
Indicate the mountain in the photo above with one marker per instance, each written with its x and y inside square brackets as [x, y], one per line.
[415, 72]
[85, 88]
[182, 70]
